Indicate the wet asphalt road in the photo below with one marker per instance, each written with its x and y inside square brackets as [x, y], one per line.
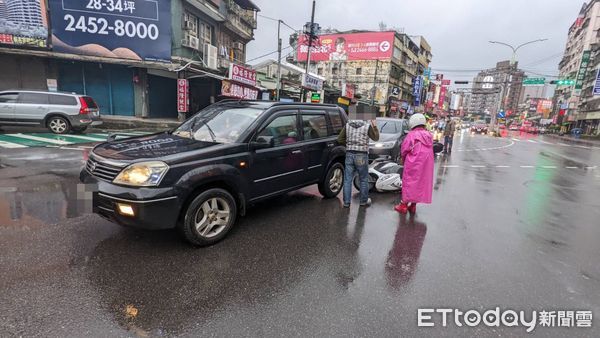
[514, 224]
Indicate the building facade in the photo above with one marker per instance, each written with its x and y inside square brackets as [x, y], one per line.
[24, 12]
[381, 71]
[574, 104]
[133, 76]
[496, 89]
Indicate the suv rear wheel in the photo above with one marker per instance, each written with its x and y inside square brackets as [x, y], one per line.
[333, 183]
[209, 217]
[58, 125]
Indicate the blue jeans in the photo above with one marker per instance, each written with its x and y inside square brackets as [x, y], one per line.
[448, 143]
[358, 162]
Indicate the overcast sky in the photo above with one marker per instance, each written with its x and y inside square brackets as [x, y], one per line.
[457, 30]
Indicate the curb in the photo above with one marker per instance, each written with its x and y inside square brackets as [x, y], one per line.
[573, 140]
[137, 124]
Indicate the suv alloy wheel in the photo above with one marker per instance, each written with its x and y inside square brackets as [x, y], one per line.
[333, 182]
[209, 217]
[58, 125]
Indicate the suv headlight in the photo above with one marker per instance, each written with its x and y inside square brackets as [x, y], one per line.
[143, 174]
[385, 144]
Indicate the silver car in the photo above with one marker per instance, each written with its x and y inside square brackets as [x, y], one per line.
[59, 112]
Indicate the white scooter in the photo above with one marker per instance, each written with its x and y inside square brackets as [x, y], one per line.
[386, 175]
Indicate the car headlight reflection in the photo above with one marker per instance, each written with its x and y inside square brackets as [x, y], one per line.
[144, 174]
[385, 144]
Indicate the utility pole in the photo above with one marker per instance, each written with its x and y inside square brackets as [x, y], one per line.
[278, 60]
[310, 41]
[375, 83]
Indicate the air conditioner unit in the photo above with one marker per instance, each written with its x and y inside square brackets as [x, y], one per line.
[185, 42]
[210, 56]
[194, 42]
[238, 45]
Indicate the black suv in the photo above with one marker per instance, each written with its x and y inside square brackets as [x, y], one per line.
[201, 175]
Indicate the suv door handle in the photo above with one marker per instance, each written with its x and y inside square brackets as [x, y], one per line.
[297, 151]
[330, 144]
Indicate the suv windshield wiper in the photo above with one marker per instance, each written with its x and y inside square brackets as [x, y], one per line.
[210, 131]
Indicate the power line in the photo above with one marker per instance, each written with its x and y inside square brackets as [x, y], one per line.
[283, 22]
[265, 55]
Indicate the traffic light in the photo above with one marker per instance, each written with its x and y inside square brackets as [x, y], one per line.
[563, 82]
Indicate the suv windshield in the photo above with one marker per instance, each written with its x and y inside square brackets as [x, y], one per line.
[389, 127]
[220, 124]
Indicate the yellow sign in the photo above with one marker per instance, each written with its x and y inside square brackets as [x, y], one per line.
[343, 101]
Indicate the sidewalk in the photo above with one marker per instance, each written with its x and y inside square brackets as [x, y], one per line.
[129, 122]
[571, 139]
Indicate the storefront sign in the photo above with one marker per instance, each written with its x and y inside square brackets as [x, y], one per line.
[417, 83]
[597, 84]
[442, 96]
[52, 85]
[182, 95]
[242, 74]
[233, 89]
[445, 82]
[343, 101]
[348, 90]
[343, 47]
[315, 97]
[585, 60]
[311, 82]
[124, 29]
[13, 29]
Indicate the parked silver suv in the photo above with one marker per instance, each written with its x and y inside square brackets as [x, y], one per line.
[59, 112]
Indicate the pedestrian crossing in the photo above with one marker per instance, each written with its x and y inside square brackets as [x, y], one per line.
[26, 140]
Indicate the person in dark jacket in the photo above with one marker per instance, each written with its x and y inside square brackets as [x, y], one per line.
[355, 136]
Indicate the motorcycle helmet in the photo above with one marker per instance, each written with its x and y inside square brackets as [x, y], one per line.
[416, 120]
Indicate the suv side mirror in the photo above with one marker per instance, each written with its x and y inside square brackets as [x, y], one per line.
[261, 143]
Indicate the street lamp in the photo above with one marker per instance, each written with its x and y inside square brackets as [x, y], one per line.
[512, 62]
[514, 56]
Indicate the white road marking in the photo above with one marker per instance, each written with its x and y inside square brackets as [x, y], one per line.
[562, 144]
[527, 166]
[516, 139]
[549, 166]
[478, 166]
[546, 142]
[584, 147]
[571, 167]
[88, 138]
[11, 145]
[42, 139]
[450, 166]
[502, 166]
[591, 168]
[532, 141]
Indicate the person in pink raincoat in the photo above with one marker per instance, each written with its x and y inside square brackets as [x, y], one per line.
[417, 156]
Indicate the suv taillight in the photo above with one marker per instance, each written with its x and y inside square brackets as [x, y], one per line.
[85, 109]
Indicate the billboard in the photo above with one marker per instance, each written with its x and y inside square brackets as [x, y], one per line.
[348, 47]
[125, 29]
[23, 23]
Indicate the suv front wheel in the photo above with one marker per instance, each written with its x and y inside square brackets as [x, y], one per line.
[58, 125]
[333, 183]
[209, 217]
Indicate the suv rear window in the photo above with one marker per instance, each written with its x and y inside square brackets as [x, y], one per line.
[336, 122]
[90, 102]
[33, 98]
[63, 100]
[8, 97]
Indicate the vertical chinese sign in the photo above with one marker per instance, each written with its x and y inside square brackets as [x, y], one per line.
[182, 96]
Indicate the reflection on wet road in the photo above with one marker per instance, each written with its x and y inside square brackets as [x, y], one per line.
[510, 227]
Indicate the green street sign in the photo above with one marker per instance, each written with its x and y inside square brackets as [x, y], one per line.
[585, 60]
[565, 82]
[532, 81]
[315, 98]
